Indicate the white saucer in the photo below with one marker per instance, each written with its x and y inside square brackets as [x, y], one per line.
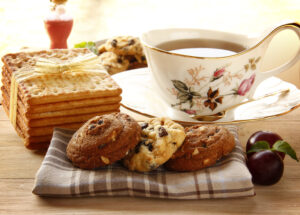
[139, 96]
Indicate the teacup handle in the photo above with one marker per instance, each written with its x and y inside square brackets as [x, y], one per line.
[296, 28]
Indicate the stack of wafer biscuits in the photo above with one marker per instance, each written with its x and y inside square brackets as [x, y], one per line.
[65, 100]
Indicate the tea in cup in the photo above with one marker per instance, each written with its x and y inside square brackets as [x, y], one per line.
[203, 72]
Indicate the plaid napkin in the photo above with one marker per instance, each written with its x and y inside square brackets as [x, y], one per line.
[57, 177]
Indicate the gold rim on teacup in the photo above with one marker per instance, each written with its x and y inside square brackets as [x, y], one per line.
[295, 24]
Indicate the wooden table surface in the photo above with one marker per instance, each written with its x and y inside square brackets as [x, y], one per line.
[19, 165]
[21, 25]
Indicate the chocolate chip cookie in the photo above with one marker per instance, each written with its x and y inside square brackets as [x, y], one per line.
[161, 137]
[122, 53]
[113, 63]
[136, 61]
[124, 45]
[103, 140]
[202, 147]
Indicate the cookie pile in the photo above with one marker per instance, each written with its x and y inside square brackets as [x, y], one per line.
[64, 100]
[122, 53]
[146, 146]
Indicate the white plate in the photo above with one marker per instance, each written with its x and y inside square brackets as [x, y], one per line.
[139, 96]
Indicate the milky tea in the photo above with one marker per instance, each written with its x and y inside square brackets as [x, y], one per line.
[202, 47]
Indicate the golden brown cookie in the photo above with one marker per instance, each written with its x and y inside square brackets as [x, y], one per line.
[103, 140]
[122, 53]
[113, 63]
[124, 45]
[202, 147]
[101, 49]
[161, 137]
[136, 61]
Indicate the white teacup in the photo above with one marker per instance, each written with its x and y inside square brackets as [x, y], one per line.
[205, 85]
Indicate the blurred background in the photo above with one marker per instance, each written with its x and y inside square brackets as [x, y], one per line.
[22, 24]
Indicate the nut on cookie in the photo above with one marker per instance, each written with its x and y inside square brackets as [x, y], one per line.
[103, 140]
[203, 146]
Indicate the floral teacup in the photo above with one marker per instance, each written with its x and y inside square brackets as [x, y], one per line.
[200, 85]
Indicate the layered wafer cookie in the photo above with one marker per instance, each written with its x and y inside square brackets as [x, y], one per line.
[58, 87]
[47, 130]
[59, 106]
[55, 88]
[34, 143]
[68, 112]
[39, 137]
[63, 119]
[58, 120]
[74, 112]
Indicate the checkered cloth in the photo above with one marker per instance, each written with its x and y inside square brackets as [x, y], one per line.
[57, 177]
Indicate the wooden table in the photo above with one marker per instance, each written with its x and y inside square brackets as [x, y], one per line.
[95, 20]
[19, 165]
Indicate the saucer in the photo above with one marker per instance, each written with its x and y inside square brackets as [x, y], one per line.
[140, 96]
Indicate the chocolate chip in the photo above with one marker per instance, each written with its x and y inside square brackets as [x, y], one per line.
[204, 145]
[162, 132]
[138, 146]
[143, 58]
[132, 60]
[114, 43]
[101, 146]
[209, 135]
[217, 130]
[153, 167]
[100, 121]
[174, 143]
[91, 126]
[131, 42]
[144, 125]
[128, 119]
[144, 135]
[120, 60]
[150, 147]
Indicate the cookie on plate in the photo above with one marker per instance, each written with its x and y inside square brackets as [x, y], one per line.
[113, 63]
[202, 147]
[103, 140]
[161, 137]
[122, 53]
[124, 45]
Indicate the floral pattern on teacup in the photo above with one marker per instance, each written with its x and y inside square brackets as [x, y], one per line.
[218, 73]
[213, 99]
[252, 63]
[195, 79]
[190, 100]
[245, 86]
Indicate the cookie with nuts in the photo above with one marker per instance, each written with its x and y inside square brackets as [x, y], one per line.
[161, 137]
[103, 140]
[203, 146]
